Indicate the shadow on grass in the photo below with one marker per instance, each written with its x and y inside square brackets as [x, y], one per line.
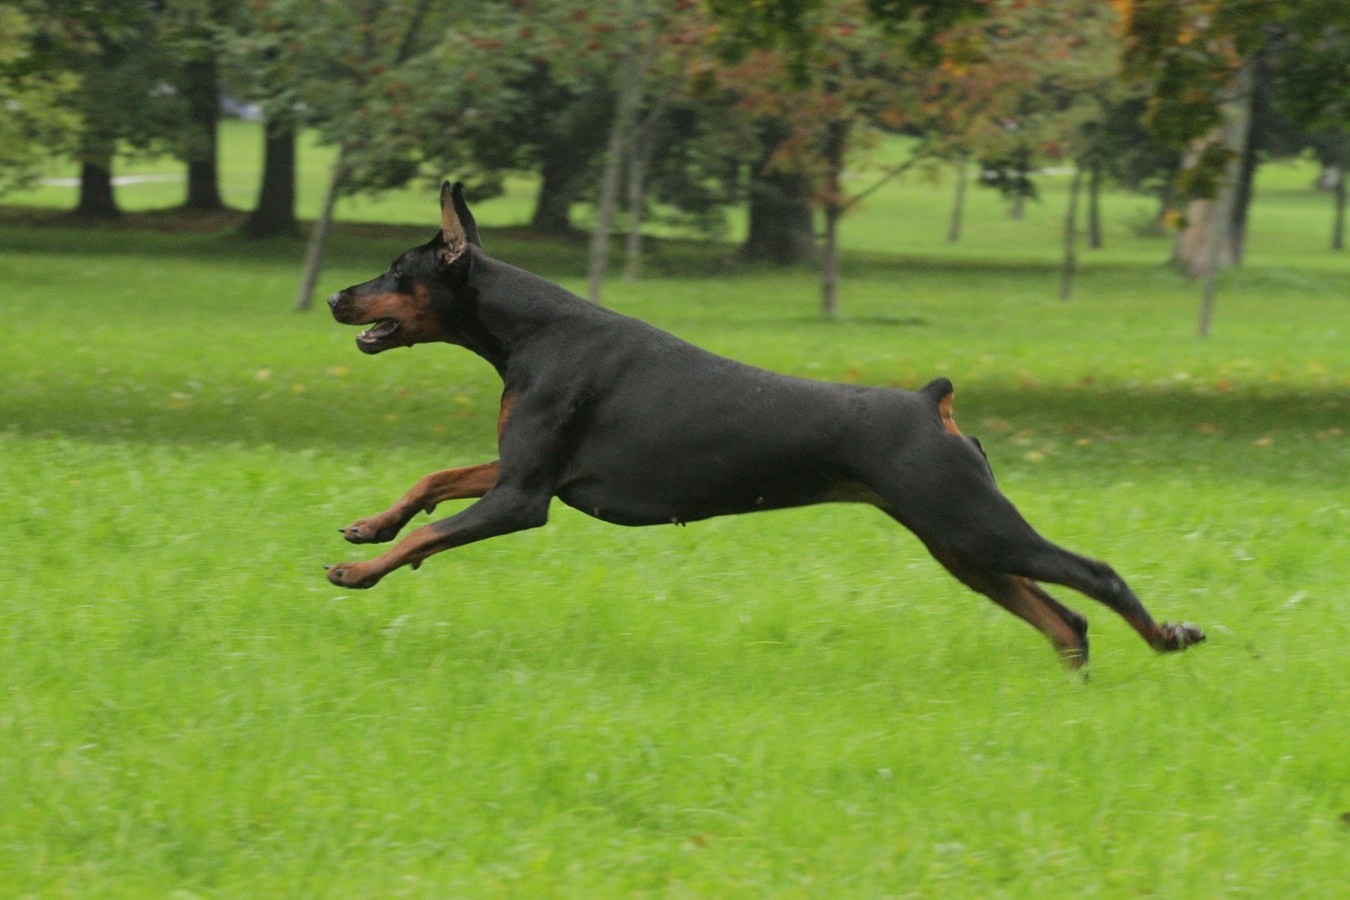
[216, 237]
[1167, 429]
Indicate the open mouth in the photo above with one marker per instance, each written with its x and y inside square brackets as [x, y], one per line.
[379, 331]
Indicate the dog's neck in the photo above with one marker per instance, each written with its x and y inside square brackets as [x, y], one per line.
[504, 309]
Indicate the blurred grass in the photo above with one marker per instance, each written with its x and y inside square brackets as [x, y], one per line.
[790, 704]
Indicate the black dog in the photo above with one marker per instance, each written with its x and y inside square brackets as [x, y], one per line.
[634, 426]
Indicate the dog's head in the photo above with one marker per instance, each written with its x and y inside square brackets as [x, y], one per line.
[412, 302]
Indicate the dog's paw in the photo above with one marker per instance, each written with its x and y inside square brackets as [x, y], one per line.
[1180, 635]
[374, 530]
[352, 575]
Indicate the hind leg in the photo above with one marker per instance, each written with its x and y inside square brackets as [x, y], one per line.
[1100, 582]
[1017, 550]
[1065, 629]
[945, 492]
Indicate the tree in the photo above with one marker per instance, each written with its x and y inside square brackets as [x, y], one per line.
[567, 140]
[193, 31]
[780, 228]
[649, 74]
[522, 112]
[1332, 147]
[1312, 88]
[256, 64]
[862, 89]
[1032, 81]
[201, 91]
[697, 149]
[544, 84]
[38, 102]
[852, 84]
[1127, 154]
[273, 213]
[788, 37]
[127, 99]
[638, 54]
[1200, 61]
[576, 99]
[353, 69]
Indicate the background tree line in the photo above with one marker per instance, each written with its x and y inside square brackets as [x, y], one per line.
[682, 110]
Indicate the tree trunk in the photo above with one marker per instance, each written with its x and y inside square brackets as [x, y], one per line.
[96, 189]
[318, 239]
[274, 213]
[318, 236]
[639, 159]
[1207, 243]
[598, 258]
[1068, 266]
[959, 201]
[829, 268]
[201, 84]
[1338, 218]
[1021, 179]
[559, 178]
[835, 147]
[781, 230]
[1328, 176]
[621, 137]
[1218, 249]
[1094, 210]
[1246, 170]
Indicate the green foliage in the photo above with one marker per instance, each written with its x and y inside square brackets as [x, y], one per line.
[526, 89]
[1027, 84]
[786, 704]
[931, 18]
[37, 119]
[127, 96]
[364, 75]
[1205, 176]
[1190, 54]
[766, 25]
[790, 26]
[1313, 73]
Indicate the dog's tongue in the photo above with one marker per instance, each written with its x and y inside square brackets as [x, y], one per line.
[380, 329]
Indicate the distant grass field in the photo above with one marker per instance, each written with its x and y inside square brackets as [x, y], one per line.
[794, 704]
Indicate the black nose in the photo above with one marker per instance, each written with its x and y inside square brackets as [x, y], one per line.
[335, 299]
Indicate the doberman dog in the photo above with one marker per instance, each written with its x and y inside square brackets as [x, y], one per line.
[634, 426]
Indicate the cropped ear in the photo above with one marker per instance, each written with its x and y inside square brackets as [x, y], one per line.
[458, 229]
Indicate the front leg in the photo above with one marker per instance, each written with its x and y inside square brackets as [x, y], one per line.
[452, 484]
[501, 511]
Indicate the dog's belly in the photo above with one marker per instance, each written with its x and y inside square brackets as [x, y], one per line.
[655, 495]
[630, 509]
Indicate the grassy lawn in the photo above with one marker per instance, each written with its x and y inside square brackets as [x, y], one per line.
[790, 704]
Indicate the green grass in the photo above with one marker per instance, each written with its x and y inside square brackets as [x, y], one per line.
[789, 704]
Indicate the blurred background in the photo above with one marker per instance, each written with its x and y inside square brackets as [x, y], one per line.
[1118, 227]
[763, 125]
